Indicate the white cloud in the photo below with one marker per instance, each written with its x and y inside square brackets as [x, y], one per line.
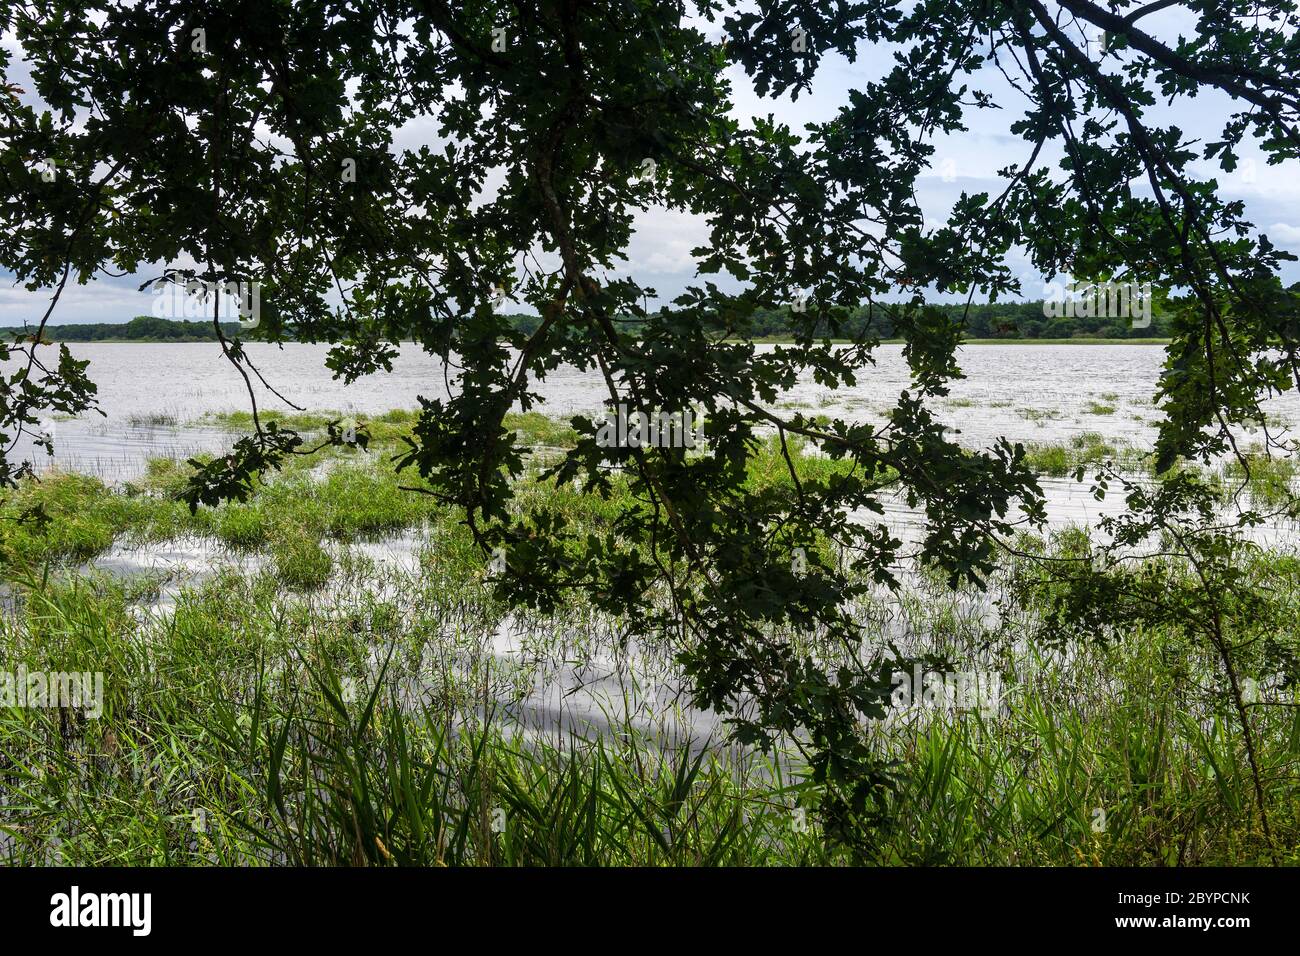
[1284, 234]
[94, 302]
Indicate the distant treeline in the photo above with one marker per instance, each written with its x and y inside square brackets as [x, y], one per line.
[143, 328]
[1003, 320]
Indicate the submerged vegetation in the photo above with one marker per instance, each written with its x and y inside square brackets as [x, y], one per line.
[344, 685]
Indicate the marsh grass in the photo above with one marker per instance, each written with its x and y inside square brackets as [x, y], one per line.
[230, 738]
[324, 707]
[249, 727]
[1270, 480]
[1087, 449]
[153, 420]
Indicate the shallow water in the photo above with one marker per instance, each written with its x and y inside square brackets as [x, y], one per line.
[1039, 393]
[552, 678]
[1028, 393]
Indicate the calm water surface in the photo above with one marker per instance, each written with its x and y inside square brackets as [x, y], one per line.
[1039, 393]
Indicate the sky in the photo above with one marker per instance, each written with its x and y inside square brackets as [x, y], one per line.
[659, 254]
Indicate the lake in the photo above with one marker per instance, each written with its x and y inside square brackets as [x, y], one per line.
[152, 394]
[1030, 393]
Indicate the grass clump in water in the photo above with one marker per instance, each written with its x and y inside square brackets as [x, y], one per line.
[62, 518]
[1271, 477]
[301, 562]
[1064, 458]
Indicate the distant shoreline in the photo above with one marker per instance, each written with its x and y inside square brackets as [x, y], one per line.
[766, 340]
[1078, 341]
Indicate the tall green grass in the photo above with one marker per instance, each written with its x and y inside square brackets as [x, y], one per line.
[321, 707]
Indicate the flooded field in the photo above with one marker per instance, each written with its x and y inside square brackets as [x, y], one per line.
[155, 399]
[155, 406]
[331, 583]
[1027, 393]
